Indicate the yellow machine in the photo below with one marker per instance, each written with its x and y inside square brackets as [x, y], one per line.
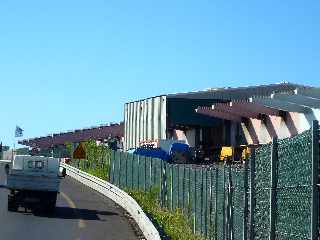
[245, 152]
[226, 153]
[240, 153]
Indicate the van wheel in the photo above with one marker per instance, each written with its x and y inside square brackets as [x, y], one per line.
[12, 205]
[51, 206]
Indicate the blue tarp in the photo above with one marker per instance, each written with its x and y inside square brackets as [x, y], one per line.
[181, 147]
[153, 152]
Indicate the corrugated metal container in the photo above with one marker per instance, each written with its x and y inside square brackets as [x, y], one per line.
[145, 120]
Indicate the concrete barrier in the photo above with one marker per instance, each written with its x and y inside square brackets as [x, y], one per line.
[118, 196]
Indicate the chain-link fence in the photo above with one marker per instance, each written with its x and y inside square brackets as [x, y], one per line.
[285, 188]
[274, 195]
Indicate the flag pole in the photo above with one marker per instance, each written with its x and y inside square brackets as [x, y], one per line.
[14, 144]
[52, 145]
[14, 148]
[18, 133]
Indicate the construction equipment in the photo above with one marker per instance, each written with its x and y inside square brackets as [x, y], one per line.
[226, 153]
[246, 152]
[235, 154]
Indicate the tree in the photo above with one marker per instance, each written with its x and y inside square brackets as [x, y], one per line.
[69, 147]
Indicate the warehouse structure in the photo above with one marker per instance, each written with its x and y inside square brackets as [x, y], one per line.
[222, 117]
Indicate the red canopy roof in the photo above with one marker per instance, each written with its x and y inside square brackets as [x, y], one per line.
[96, 133]
[238, 110]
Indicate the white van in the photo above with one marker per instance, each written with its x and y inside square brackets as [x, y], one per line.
[33, 182]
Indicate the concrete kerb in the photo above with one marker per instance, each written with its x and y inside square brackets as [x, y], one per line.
[118, 196]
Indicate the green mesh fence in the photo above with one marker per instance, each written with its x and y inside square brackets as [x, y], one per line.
[140, 172]
[169, 183]
[136, 172]
[219, 195]
[115, 168]
[192, 196]
[294, 187]
[181, 184]
[207, 203]
[238, 201]
[175, 187]
[211, 204]
[198, 197]
[262, 185]
[156, 171]
[121, 171]
[130, 165]
[214, 196]
[149, 182]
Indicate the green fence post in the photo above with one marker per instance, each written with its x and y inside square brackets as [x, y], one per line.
[132, 170]
[150, 174]
[206, 206]
[109, 156]
[231, 203]
[224, 203]
[183, 188]
[119, 171]
[195, 201]
[114, 154]
[145, 175]
[127, 155]
[245, 199]
[165, 186]
[273, 189]
[252, 192]
[161, 184]
[211, 204]
[171, 187]
[109, 168]
[178, 185]
[201, 204]
[216, 205]
[138, 177]
[315, 181]
[154, 170]
[189, 190]
[227, 200]
[109, 165]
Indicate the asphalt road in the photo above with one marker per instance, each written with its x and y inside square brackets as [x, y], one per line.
[81, 214]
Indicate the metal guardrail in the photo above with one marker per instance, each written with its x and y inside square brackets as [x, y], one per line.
[5, 161]
[118, 196]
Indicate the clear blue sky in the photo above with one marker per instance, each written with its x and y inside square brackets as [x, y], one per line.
[70, 64]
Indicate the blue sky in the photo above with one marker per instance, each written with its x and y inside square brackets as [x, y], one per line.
[71, 64]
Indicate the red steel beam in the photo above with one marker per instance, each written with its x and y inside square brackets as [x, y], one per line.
[256, 108]
[218, 114]
[227, 107]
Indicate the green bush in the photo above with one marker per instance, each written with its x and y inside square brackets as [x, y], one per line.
[100, 172]
[174, 223]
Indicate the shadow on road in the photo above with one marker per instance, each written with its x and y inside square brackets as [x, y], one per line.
[76, 213]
